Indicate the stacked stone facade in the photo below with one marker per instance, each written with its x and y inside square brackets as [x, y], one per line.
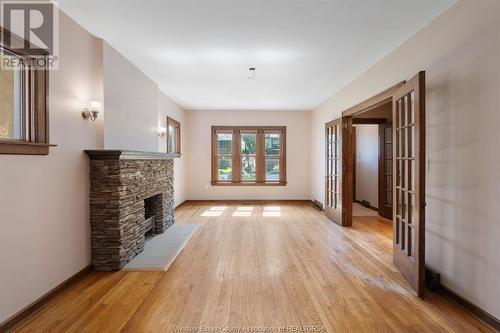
[118, 190]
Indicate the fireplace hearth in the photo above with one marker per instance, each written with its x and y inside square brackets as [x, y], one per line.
[131, 199]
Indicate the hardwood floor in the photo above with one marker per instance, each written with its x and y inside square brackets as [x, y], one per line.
[264, 265]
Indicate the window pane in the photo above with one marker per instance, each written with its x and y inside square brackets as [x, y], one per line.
[272, 169]
[171, 140]
[225, 168]
[247, 168]
[225, 143]
[248, 143]
[10, 101]
[272, 144]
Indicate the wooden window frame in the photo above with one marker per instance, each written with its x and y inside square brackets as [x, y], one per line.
[260, 155]
[35, 111]
[171, 122]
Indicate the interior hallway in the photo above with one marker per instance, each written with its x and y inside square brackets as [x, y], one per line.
[260, 264]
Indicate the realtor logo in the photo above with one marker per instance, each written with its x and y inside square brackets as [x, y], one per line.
[34, 25]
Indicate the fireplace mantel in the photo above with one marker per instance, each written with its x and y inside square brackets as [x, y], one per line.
[110, 154]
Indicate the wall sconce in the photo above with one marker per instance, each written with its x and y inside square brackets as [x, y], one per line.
[162, 131]
[92, 112]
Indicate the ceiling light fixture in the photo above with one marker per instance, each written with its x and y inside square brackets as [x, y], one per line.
[252, 73]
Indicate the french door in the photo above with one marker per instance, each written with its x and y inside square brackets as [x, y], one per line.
[338, 203]
[409, 178]
[385, 170]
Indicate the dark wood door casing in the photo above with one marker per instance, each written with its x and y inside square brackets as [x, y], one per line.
[385, 184]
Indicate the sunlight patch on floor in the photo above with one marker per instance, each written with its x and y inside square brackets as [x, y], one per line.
[243, 211]
[272, 211]
[214, 211]
[241, 214]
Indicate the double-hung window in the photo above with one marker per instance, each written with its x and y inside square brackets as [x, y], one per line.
[245, 155]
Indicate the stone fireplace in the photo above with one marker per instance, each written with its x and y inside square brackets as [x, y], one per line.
[131, 196]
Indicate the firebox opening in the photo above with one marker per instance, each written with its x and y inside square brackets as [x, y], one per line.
[149, 215]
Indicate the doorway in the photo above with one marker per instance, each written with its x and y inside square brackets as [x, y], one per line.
[372, 162]
[405, 181]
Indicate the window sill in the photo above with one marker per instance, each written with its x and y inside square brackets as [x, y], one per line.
[24, 148]
[249, 184]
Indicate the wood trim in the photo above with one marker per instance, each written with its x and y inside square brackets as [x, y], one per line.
[260, 155]
[31, 309]
[34, 49]
[317, 204]
[250, 201]
[368, 121]
[383, 209]
[433, 283]
[236, 178]
[219, 183]
[213, 153]
[373, 102]
[367, 206]
[354, 161]
[249, 128]
[24, 148]
[348, 149]
[469, 306]
[347, 171]
[283, 156]
[260, 164]
[177, 134]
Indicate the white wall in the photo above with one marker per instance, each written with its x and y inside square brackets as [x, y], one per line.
[297, 144]
[460, 52]
[44, 215]
[367, 147]
[135, 108]
[167, 107]
[131, 104]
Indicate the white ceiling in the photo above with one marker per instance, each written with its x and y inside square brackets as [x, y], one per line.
[199, 51]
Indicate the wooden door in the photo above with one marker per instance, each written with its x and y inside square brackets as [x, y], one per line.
[409, 178]
[385, 170]
[338, 196]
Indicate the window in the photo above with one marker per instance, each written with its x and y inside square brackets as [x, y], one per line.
[224, 156]
[23, 105]
[173, 136]
[272, 156]
[248, 155]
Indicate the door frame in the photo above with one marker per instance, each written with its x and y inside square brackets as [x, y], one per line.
[365, 121]
[347, 182]
[387, 96]
[383, 209]
[371, 103]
